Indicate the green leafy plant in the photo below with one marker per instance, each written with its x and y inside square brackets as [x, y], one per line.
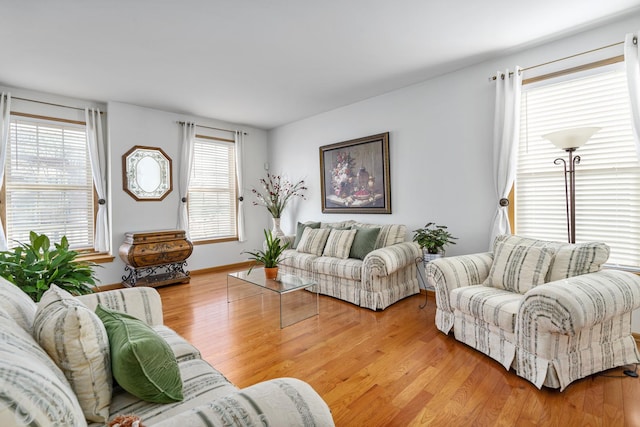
[433, 237]
[272, 253]
[35, 266]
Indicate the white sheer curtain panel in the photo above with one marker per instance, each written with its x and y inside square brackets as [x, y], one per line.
[239, 137]
[632, 62]
[186, 163]
[5, 113]
[95, 143]
[505, 145]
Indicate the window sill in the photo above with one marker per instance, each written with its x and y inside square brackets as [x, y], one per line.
[208, 241]
[98, 258]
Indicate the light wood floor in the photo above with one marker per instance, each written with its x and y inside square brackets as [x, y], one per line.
[388, 368]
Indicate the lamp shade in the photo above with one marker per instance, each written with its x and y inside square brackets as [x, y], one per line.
[571, 138]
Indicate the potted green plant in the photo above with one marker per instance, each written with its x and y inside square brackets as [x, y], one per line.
[270, 256]
[35, 266]
[432, 238]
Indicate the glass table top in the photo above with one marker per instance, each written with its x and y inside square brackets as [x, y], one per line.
[282, 284]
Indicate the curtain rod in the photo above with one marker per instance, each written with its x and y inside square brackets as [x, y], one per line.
[635, 41]
[209, 127]
[50, 103]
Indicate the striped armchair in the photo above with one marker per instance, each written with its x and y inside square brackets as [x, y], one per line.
[545, 309]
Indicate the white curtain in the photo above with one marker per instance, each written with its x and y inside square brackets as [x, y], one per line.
[95, 144]
[186, 163]
[5, 112]
[239, 137]
[505, 145]
[632, 62]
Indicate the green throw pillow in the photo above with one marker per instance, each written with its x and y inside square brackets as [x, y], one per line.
[364, 242]
[300, 229]
[141, 361]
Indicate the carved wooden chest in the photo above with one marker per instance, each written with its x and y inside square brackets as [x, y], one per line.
[155, 258]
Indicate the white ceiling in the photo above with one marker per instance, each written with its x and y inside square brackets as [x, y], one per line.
[266, 63]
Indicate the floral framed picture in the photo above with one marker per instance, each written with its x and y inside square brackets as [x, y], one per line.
[355, 176]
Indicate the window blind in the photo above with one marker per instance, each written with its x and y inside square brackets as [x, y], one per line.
[212, 191]
[607, 178]
[48, 183]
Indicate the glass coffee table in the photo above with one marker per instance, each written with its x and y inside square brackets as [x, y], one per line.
[294, 306]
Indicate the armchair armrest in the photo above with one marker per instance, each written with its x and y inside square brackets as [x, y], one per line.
[277, 402]
[569, 305]
[143, 303]
[445, 274]
[388, 260]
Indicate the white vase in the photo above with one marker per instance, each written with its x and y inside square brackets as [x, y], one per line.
[276, 231]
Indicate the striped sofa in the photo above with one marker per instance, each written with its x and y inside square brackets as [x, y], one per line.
[373, 279]
[545, 309]
[71, 384]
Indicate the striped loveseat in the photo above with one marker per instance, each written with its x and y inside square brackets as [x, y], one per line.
[369, 265]
[544, 308]
[55, 370]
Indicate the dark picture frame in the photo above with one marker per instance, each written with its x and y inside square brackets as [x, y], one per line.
[354, 176]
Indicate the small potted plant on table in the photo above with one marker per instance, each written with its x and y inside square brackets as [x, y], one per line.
[432, 238]
[270, 256]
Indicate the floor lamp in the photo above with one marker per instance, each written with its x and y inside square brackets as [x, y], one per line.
[570, 140]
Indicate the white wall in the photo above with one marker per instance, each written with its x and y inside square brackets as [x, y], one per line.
[131, 125]
[440, 143]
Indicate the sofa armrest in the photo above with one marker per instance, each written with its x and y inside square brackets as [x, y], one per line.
[143, 303]
[289, 239]
[448, 273]
[388, 260]
[566, 306]
[277, 402]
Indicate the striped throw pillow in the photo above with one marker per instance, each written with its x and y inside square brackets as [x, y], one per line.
[519, 268]
[576, 259]
[313, 240]
[17, 303]
[339, 243]
[76, 340]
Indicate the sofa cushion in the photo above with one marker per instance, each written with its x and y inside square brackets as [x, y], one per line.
[299, 260]
[518, 268]
[340, 225]
[34, 390]
[17, 303]
[576, 259]
[364, 242]
[390, 234]
[202, 385]
[347, 268]
[339, 243]
[142, 362]
[495, 306]
[75, 339]
[569, 259]
[313, 241]
[300, 228]
[182, 349]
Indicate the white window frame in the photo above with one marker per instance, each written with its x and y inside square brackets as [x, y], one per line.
[613, 139]
[80, 239]
[213, 178]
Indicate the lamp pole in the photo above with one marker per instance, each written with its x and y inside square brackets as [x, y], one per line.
[570, 191]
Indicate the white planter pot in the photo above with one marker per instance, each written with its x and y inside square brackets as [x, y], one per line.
[427, 257]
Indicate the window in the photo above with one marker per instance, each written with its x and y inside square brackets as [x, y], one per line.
[608, 176]
[48, 183]
[212, 200]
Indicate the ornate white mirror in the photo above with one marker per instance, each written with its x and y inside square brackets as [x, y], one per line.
[146, 173]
